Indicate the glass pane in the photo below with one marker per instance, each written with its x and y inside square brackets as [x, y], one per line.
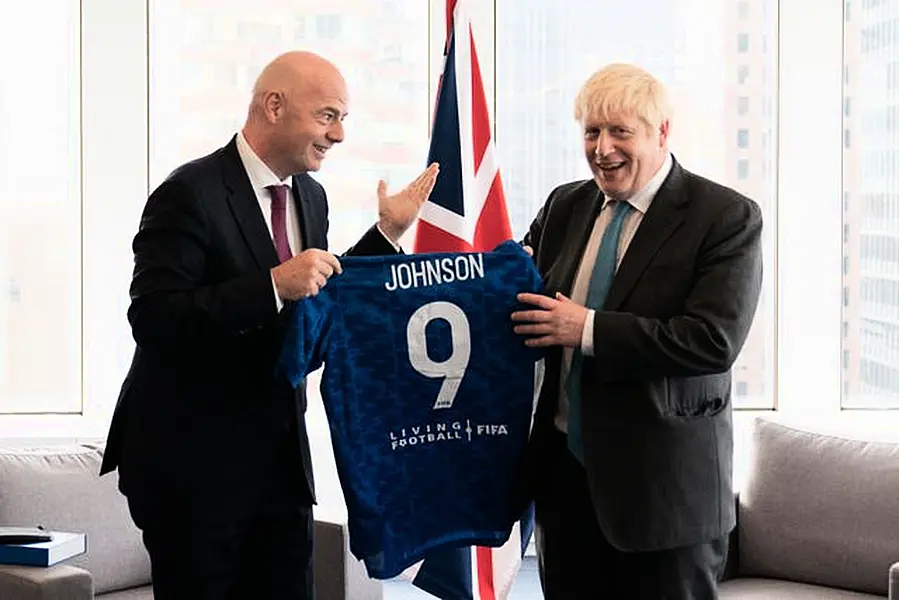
[205, 56]
[871, 205]
[40, 209]
[719, 63]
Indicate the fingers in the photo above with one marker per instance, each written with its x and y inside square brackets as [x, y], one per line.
[331, 261]
[529, 250]
[532, 316]
[423, 185]
[534, 329]
[537, 300]
[541, 342]
[382, 188]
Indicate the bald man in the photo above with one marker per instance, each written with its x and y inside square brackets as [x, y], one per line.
[212, 452]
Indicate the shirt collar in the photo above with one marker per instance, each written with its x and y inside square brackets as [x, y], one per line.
[260, 175]
[642, 199]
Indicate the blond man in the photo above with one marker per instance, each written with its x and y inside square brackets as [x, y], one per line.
[656, 274]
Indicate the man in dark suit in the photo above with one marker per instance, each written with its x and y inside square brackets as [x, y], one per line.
[212, 451]
[656, 274]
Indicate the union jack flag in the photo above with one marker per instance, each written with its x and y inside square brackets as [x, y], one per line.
[467, 208]
[466, 212]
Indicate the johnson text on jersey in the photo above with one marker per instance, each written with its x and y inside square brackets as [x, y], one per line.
[424, 273]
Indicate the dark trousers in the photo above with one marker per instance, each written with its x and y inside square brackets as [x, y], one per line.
[577, 562]
[265, 554]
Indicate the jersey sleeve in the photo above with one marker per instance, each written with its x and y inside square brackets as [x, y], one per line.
[305, 339]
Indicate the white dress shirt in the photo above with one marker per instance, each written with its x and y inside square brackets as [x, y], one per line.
[640, 201]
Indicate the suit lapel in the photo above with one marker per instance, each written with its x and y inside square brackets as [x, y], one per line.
[305, 213]
[580, 226]
[245, 208]
[661, 220]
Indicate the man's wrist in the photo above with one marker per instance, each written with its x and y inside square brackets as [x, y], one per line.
[394, 241]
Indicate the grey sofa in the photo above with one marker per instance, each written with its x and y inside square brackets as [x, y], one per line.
[58, 487]
[818, 519]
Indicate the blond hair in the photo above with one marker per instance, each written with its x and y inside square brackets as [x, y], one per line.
[623, 89]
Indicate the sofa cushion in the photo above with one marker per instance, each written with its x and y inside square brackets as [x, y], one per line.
[59, 487]
[769, 589]
[819, 509]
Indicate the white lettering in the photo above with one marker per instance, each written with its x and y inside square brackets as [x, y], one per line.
[435, 271]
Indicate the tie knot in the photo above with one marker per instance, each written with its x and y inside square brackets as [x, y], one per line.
[279, 196]
[622, 206]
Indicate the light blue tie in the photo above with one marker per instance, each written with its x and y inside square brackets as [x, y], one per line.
[600, 282]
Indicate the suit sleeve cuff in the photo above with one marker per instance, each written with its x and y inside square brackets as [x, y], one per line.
[392, 243]
[279, 304]
[587, 336]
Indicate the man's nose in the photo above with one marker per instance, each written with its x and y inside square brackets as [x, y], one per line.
[604, 145]
[335, 132]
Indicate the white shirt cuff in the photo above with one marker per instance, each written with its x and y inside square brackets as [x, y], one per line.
[386, 237]
[587, 336]
[279, 304]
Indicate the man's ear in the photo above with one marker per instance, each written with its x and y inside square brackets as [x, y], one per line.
[663, 132]
[274, 104]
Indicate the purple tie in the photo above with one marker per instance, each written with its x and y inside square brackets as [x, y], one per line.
[279, 221]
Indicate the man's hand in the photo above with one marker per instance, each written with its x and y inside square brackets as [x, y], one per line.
[397, 212]
[555, 322]
[305, 274]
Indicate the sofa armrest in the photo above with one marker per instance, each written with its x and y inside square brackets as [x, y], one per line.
[338, 574]
[59, 582]
[894, 582]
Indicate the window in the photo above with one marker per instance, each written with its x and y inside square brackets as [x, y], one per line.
[846, 106]
[40, 209]
[543, 56]
[742, 389]
[743, 138]
[870, 170]
[386, 130]
[742, 42]
[743, 10]
[327, 26]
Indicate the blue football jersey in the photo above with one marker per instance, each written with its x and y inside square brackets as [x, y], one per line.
[429, 396]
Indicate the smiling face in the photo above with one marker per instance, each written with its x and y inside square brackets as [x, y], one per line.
[312, 123]
[300, 102]
[623, 153]
[624, 115]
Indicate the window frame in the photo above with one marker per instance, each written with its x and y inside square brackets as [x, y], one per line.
[808, 351]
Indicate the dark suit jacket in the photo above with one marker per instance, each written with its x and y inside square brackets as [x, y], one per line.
[200, 420]
[656, 408]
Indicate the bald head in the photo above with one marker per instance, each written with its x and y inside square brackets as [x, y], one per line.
[296, 113]
[294, 71]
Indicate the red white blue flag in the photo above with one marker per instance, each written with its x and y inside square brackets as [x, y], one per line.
[466, 212]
